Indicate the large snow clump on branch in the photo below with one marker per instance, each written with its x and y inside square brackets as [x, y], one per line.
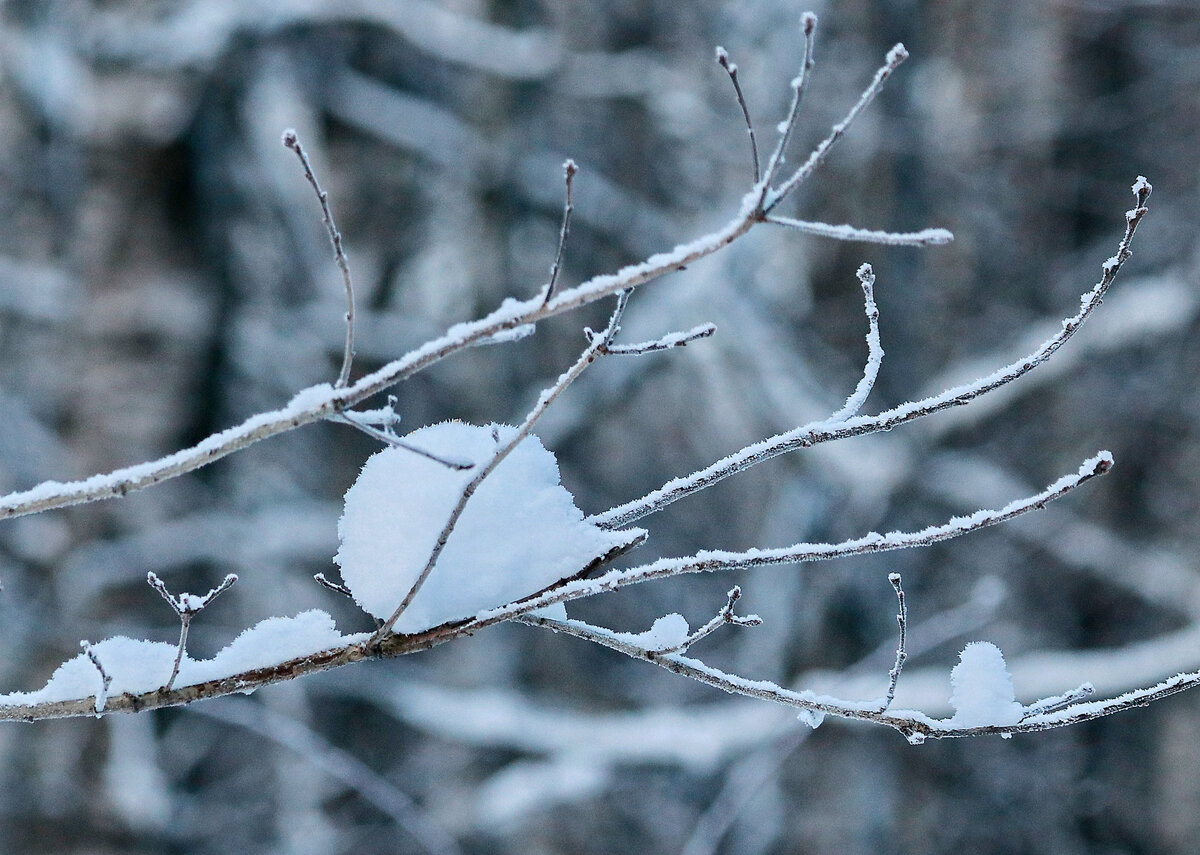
[982, 689]
[520, 533]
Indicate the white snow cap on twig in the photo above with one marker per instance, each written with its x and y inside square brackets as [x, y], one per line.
[982, 689]
[520, 532]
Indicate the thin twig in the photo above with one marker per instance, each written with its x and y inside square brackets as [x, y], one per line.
[388, 437]
[708, 561]
[732, 70]
[290, 140]
[569, 170]
[925, 237]
[1058, 702]
[808, 24]
[595, 346]
[667, 342]
[901, 645]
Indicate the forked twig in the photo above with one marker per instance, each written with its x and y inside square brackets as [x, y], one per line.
[186, 606]
[323, 402]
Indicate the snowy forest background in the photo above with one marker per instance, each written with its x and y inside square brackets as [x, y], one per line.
[164, 273]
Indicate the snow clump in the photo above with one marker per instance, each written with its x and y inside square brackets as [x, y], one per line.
[519, 533]
[982, 690]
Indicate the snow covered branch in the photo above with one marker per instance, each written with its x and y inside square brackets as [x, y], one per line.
[454, 527]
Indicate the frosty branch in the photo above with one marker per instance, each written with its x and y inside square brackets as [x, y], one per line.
[492, 536]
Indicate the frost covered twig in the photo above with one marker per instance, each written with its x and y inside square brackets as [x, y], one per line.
[924, 237]
[186, 606]
[1058, 702]
[325, 582]
[901, 645]
[808, 24]
[774, 196]
[732, 70]
[667, 342]
[290, 140]
[569, 170]
[866, 278]
[709, 561]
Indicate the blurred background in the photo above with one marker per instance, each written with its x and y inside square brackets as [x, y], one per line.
[164, 273]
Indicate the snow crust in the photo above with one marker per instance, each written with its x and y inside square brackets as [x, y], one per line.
[138, 666]
[519, 533]
[982, 689]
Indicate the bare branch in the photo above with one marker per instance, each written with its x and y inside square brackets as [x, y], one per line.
[569, 170]
[925, 237]
[828, 430]
[290, 140]
[708, 561]
[732, 70]
[322, 402]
